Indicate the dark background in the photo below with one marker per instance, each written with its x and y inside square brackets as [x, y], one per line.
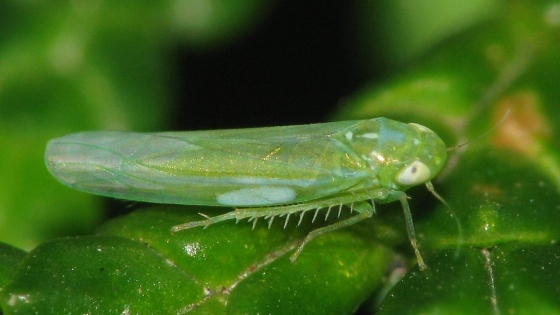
[292, 68]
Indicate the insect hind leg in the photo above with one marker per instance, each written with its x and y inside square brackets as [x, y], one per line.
[365, 210]
[204, 223]
[252, 214]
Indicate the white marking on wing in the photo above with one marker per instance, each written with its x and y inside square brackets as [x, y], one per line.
[256, 196]
[369, 135]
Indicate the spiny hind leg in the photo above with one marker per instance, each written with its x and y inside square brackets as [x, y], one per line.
[365, 210]
[204, 223]
[270, 212]
[252, 214]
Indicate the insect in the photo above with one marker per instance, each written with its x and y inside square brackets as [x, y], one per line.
[263, 172]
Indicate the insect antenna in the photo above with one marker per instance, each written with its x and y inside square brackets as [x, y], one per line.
[460, 239]
[453, 148]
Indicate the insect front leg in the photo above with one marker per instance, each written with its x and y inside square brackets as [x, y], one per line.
[365, 210]
[410, 228]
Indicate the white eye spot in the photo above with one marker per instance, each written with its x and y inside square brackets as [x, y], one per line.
[257, 196]
[349, 135]
[370, 135]
[414, 174]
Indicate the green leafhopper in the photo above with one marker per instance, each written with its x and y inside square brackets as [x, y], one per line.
[264, 172]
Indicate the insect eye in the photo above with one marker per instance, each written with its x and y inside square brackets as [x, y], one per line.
[414, 174]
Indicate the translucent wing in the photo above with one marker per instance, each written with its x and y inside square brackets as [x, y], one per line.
[243, 167]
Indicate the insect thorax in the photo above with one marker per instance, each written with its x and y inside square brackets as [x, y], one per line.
[399, 155]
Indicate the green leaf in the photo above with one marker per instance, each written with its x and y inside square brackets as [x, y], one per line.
[136, 265]
[10, 258]
[208, 23]
[95, 275]
[399, 31]
[510, 277]
[55, 80]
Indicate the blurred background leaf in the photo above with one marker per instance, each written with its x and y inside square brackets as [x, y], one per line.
[88, 65]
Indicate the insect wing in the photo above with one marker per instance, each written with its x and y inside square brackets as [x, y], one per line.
[244, 167]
